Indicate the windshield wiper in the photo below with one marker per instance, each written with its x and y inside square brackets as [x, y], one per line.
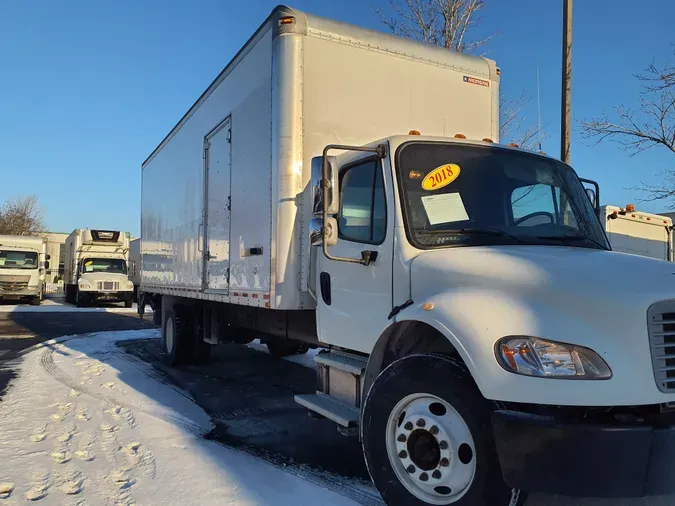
[572, 238]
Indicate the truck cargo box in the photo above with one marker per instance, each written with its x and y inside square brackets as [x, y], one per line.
[227, 191]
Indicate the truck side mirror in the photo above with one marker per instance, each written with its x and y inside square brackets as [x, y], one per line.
[47, 264]
[591, 195]
[48, 257]
[332, 192]
[316, 231]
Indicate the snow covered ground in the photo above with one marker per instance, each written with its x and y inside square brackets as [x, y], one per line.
[86, 423]
[58, 305]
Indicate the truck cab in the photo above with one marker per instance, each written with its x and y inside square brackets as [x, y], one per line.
[23, 261]
[96, 267]
[479, 275]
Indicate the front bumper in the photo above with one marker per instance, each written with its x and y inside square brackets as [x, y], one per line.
[543, 454]
[113, 296]
[19, 294]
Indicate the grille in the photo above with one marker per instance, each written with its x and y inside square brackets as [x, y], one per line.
[13, 285]
[108, 285]
[661, 318]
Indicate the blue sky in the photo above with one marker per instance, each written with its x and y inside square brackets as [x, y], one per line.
[89, 88]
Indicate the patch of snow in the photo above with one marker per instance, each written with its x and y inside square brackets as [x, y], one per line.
[85, 423]
[60, 306]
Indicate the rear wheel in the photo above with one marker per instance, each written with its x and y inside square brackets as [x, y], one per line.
[427, 437]
[128, 303]
[176, 335]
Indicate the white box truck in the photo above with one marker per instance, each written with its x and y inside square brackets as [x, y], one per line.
[23, 262]
[638, 232]
[478, 333]
[95, 267]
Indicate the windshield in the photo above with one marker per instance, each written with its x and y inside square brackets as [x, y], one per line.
[109, 265]
[460, 195]
[18, 259]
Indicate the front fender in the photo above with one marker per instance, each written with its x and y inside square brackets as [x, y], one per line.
[472, 320]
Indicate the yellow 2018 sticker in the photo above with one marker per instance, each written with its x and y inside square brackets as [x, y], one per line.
[441, 176]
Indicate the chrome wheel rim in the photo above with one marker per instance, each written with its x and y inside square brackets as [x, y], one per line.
[431, 449]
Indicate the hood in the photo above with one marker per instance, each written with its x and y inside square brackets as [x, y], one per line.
[592, 298]
[546, 270]
[93, 277]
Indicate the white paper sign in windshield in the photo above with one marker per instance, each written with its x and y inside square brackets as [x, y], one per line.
[444, 208]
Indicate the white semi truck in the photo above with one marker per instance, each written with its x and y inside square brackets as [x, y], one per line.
[95, 267]
[638, 232]
[23, 262]
[478, 333]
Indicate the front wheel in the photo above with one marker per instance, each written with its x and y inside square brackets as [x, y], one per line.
[79, 299]
[128, 303]
[427, 437]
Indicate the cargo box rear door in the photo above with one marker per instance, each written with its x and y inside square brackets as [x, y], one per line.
[217, 166]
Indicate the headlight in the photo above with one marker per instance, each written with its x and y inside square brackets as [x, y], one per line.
[130, 284]
[84, 285]
[532, 356]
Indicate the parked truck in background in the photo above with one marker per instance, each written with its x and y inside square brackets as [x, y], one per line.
[23, 262]
[95, 267]
[478, 333]
[637, 232]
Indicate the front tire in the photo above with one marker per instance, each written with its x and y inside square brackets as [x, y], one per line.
[80, 299]
[427, 437]
[35, 301]
[128, 303]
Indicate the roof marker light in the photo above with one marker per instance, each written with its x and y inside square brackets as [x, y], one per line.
[460, 136]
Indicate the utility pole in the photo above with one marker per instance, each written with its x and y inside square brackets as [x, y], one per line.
[565, 113]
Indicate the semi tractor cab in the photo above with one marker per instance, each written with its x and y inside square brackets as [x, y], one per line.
[23, 262]
[95, 267]
[341, 188]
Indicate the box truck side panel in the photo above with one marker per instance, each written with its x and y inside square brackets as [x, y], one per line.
[250, 238]
[173, 189]
[639, 237]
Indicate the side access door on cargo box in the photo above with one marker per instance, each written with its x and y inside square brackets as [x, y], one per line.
[216, 247]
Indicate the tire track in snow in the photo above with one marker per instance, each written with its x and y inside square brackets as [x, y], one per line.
[47, 362]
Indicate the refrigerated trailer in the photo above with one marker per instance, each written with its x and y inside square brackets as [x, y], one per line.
[23, 262]
[341, 188]
[95, 267]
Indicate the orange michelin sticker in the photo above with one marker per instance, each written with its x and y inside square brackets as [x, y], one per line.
[441, 176]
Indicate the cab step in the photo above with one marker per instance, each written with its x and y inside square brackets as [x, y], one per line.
[334, 409]
[350, 363]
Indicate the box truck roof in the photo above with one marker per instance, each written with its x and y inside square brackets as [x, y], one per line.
[384, 43]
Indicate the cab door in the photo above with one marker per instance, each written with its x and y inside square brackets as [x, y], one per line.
[354, 300]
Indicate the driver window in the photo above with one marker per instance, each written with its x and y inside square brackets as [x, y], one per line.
[534, 205]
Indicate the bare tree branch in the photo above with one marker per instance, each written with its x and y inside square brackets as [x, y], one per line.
[651, 125]
[443, 23]
[21, 216]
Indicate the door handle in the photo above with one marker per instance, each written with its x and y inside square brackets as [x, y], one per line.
[324, 283]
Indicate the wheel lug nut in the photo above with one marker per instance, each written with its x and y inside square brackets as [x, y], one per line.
[434, 430]
[403, 454]
[421, 422]
[401, 438]
[436, 475]
[411, 469]
[445, 462]
[424, 477]
[443, 445]
[408, 426]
